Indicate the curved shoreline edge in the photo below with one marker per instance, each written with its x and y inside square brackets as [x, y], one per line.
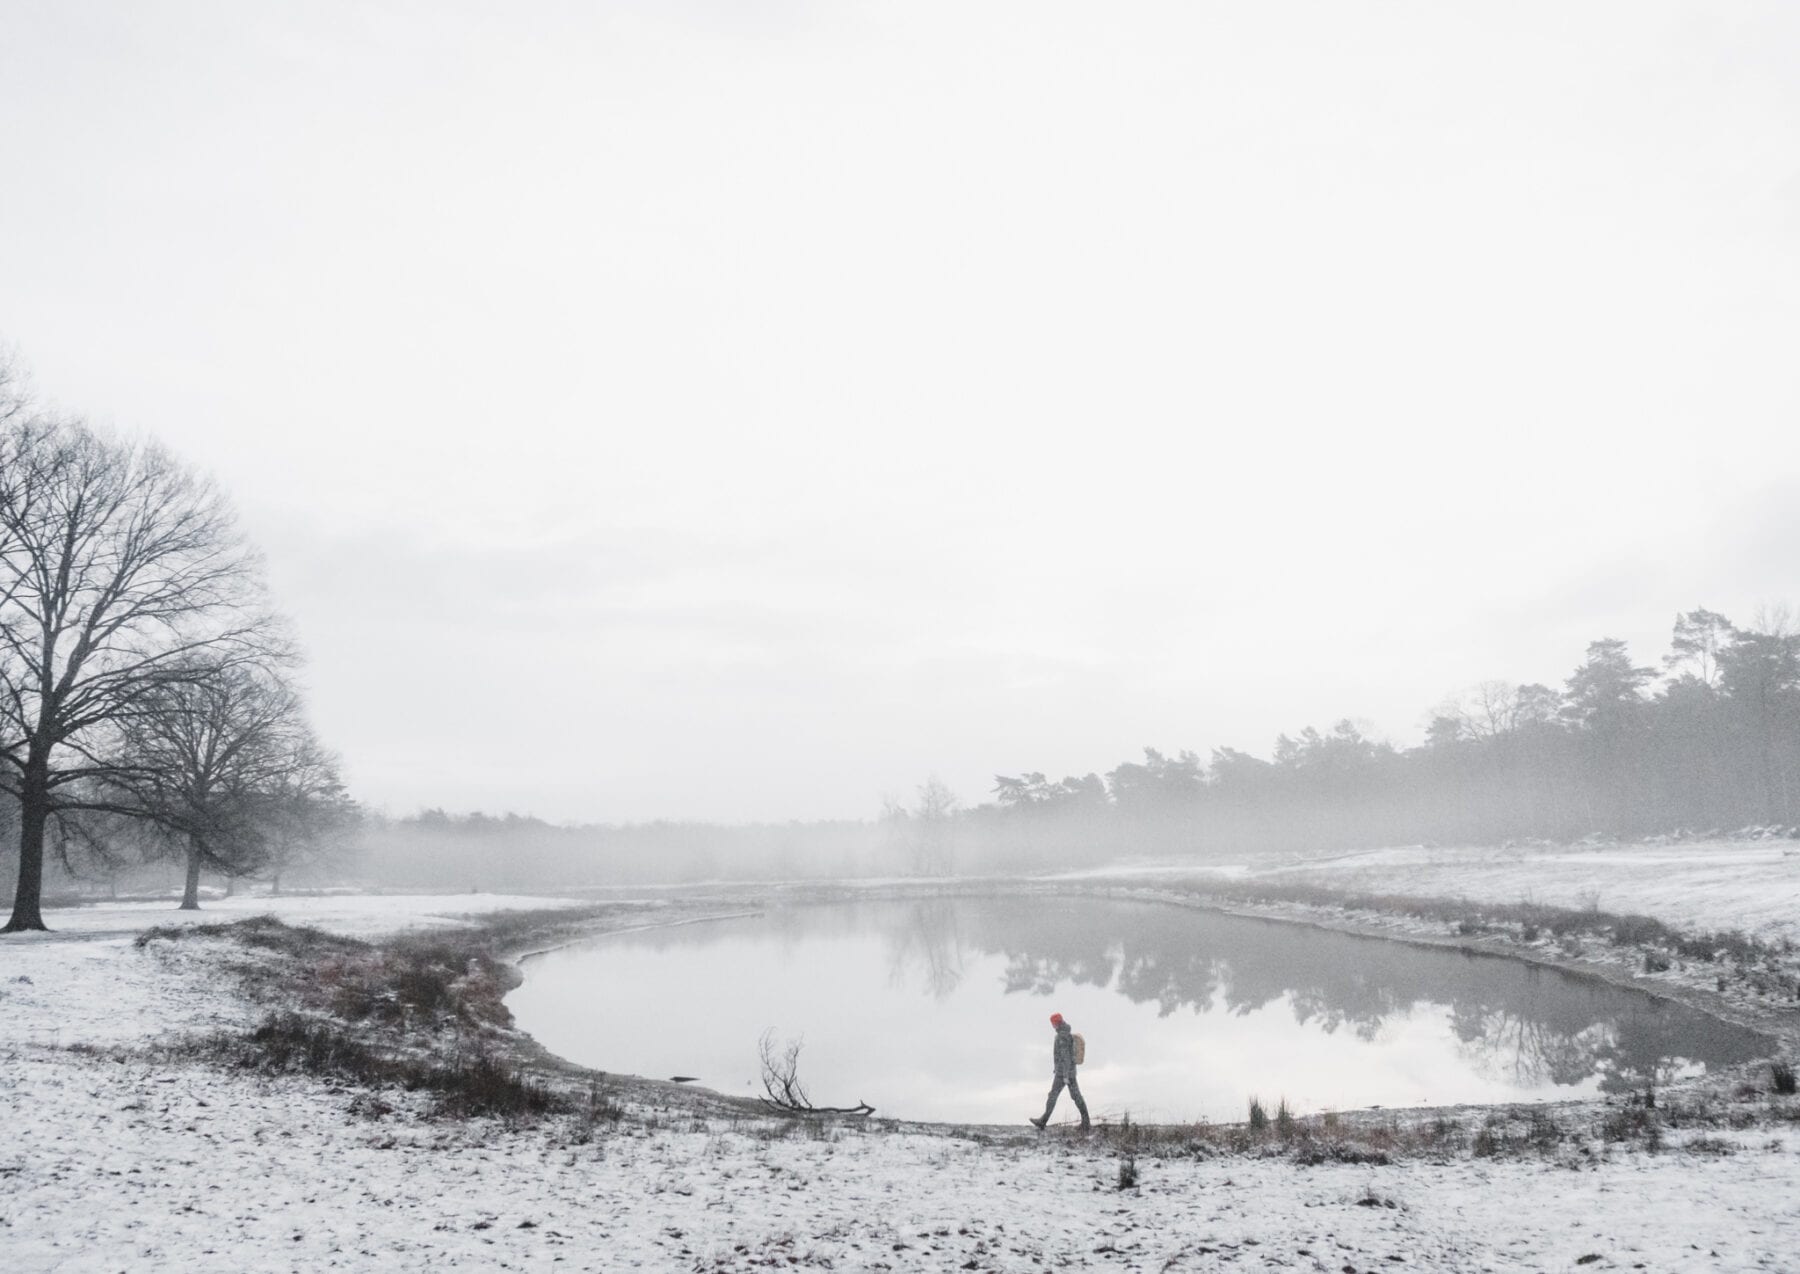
[1780, 1028]
[518, 959]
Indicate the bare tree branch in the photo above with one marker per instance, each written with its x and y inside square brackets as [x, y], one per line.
[782, 1089]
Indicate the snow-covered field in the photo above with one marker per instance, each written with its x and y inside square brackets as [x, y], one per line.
[1753, 885]
[132, 1168]
[1748, 885]
[113, 1162]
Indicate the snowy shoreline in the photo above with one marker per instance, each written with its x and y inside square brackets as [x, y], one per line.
[124, 1159]
[1619, 967]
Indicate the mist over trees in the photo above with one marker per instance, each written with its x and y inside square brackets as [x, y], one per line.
[511, 852]
[1710, 741]
[922, 837]
[148, 715]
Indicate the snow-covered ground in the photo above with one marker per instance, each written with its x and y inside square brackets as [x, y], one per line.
[354, 915]
[114, 1162]
[1753, 885]
[83, 983]
[1748, 885]
[128, 1167]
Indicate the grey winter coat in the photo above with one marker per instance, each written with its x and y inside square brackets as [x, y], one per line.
[1064, 1052]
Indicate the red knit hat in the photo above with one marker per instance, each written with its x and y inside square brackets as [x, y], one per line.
[1056, 1019]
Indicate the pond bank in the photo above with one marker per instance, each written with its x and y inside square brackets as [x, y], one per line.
[1763, 998]
[1767, 1001]
[1186, 1016]
[126, 1157]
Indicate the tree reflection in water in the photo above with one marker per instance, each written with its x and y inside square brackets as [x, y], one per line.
[1522, 1023]
[929, 936]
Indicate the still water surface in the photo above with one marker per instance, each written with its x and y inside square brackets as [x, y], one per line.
[938, 1010]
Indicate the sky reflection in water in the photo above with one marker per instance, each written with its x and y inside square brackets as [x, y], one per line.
[938, 1009]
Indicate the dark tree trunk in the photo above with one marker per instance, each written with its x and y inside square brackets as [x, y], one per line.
[190, 897]
[34, 814]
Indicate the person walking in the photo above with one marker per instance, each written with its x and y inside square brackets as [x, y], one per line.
[1062, 1055]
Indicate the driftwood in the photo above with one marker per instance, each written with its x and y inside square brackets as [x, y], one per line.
[782, 1090]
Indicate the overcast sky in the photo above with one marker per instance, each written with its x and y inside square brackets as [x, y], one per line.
[741, 410]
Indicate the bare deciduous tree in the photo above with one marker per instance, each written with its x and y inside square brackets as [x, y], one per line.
[1487, 710]
[14, 393]
[312, 817]
[121, 572]
[932, 827]
[208, 761]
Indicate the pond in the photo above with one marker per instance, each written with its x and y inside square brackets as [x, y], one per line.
[938, 1010]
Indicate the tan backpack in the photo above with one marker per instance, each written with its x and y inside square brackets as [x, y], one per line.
[1080, 1049]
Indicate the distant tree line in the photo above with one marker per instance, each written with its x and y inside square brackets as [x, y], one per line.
[146, 703]
[478, 851]
[1709, 741]
[513, 852]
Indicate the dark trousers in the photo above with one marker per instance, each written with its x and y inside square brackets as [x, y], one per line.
[1074, 1092]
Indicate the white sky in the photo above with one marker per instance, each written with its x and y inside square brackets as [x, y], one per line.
[722, 410]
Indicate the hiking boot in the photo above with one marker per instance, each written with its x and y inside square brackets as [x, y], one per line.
[1038, 1121]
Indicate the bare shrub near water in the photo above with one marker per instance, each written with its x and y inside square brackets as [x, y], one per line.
[1331, 1138]
[265, 933]
[475, 1084]
[1706, 1144]
[452, 981]
[1284, 1120]
[1781, 1078]
[1637, 1122]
